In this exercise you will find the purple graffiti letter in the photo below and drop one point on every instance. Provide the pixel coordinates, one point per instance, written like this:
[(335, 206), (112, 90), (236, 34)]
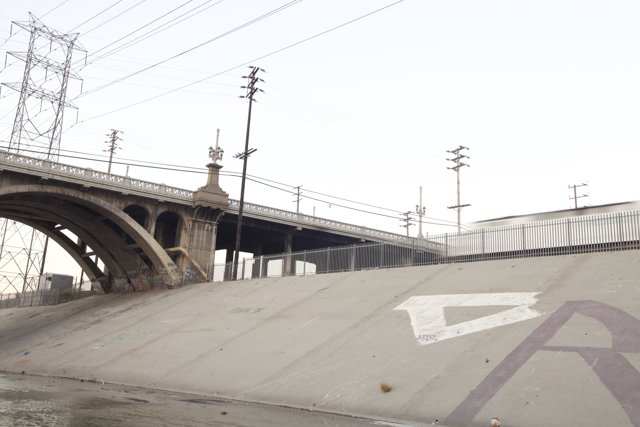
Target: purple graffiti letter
[(613, 369)]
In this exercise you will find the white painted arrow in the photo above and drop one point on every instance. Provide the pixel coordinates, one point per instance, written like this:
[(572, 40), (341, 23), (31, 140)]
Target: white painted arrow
[(429, 323)]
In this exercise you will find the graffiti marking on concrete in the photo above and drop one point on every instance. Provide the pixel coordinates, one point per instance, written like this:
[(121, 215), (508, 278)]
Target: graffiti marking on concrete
[(430, 325), (613, 369)]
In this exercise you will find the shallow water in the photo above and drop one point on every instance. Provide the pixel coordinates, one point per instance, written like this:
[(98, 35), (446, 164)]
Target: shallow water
[(40, 401)]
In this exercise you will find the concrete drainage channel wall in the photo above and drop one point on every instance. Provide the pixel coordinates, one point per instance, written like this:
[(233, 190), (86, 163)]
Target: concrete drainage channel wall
[(551, 341)]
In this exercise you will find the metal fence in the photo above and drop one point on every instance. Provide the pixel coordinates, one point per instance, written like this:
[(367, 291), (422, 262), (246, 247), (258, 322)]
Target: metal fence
[(36, 298), (593, 233)]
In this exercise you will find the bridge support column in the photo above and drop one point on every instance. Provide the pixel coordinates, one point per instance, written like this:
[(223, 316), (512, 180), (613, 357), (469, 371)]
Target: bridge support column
[(209, 204), (256, 268), (352, 258), (151, 225), (228, 259), (287, 262), (202, 238)]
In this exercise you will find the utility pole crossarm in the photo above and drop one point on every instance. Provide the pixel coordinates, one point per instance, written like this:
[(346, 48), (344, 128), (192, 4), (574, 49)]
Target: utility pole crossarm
[(406, 220), (575, 194)]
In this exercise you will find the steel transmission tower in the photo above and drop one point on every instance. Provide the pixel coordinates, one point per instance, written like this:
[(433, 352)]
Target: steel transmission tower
[(113, 145), (45, 80), (37, 131), (458, 164)]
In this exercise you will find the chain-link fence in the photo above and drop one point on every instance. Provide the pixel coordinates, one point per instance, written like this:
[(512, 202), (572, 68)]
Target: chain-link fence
[(43, 297)]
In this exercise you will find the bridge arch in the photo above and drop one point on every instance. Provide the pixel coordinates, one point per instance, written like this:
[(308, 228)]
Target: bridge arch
[(168, 229), (130, 254), (139, 214)]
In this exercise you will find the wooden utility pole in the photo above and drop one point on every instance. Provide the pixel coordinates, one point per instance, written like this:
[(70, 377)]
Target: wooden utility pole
[(297, 200), (406, 220), (420, 210), (251, 88), (575, 194)]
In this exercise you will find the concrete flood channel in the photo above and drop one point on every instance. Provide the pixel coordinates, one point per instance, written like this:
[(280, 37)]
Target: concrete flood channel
[(27, 400), (551, 341)]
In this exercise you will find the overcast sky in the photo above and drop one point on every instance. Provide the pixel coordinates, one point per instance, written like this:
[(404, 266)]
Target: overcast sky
[(545, 94)]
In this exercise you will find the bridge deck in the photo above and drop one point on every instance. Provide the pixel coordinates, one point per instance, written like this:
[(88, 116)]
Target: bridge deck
[(88, 177)]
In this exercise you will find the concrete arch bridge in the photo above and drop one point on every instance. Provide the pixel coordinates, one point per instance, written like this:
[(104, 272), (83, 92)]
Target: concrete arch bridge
[(131, 234)]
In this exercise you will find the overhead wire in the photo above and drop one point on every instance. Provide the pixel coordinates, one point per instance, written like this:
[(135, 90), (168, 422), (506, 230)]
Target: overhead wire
[(154, 31), (199, 92), (168, 67), (96, 15), (302, 41), (79, 155), (114, 17), (245, 63), (145, 25), (340, 118), (42, 16), (198, 46), (53, 9), (86, 21)]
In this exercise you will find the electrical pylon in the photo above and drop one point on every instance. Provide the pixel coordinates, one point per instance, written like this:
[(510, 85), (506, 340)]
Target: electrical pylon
[(456, 168), (43, 89), (45, 79)]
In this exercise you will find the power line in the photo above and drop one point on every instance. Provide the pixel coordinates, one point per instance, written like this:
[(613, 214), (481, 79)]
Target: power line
[(361, 128), (56, 7), (168, 67), (258, 180), (245, 63), (175, 21), (95, 16), (114, 17), (42, 16), (191, 49)]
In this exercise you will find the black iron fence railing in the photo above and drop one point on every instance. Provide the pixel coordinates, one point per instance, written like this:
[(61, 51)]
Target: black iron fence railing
[(594, 233)]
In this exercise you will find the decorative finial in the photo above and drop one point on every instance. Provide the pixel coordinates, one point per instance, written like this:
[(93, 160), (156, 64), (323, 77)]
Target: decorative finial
[(215, 154)]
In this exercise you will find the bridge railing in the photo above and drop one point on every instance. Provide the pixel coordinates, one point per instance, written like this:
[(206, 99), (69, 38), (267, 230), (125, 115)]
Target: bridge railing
[(594, 233), (125, 184), (88, 176), (304, 219)]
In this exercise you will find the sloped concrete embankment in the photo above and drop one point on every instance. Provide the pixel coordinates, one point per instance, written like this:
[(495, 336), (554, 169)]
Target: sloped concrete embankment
[(546, 341)]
